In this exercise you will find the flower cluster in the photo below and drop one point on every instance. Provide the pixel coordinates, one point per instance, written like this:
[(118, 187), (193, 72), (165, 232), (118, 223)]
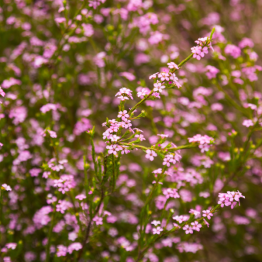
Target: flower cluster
[(124, 94), (65, 183), (204, 141), (201, 49), (165, 77), (229, 198), (172, 158)]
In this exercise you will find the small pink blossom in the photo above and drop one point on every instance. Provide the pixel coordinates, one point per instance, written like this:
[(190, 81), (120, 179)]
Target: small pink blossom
[(80, 197), (196, 226), (123, 115), (207, 214), (2, 93), (140, 137), (172, 65), (98, 220), (194, 212), (155, 222), (188, 229), (181, 219), (74, 246), (6, 187), (124, 94), (248, 123), (150, 154), (158, 87), (157, 231)]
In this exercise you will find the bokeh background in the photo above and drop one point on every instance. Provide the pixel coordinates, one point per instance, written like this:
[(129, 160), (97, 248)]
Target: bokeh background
[(64, 78)]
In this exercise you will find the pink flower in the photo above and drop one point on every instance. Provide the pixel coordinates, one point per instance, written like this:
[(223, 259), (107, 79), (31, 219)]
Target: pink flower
[(233, 50), (62, 206), (99, 59), (88, 30), (162, 136), (81, 126), (206, 222), (155, 222), (181, 219), (10, 82), (246, 42), (170, 192), (19, 114), (41, 217), (150, 154), (204, 194), (134, 5), (34, 172), (229, 198), (52, 133), (113, 149), (195, 212), (188, 229), (201, 49), (154, 76), (2, 93), (157, 37), (6, 187), (172, 158), (140, 137), (65, 183), (207, 214), (11, 245), (123, 115), (128, 75), (98, 220), (172, 65), (158, 87), (204, 141), (157, 230), (74, 246), (124, 94), (216, 107), (62, 250), (48, 107), (200, 139), (157, 171), (60, 20), (114, 138), (248, 123), (196, 226), (211, 71), (252, 106), (142, 92), (80, 197)]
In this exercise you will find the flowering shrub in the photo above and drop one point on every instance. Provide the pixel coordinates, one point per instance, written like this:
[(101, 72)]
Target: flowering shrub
[(118, 143)]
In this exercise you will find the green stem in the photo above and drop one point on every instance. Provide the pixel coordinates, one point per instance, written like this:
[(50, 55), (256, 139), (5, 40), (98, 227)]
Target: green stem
[(192, 145), (185, 60)]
